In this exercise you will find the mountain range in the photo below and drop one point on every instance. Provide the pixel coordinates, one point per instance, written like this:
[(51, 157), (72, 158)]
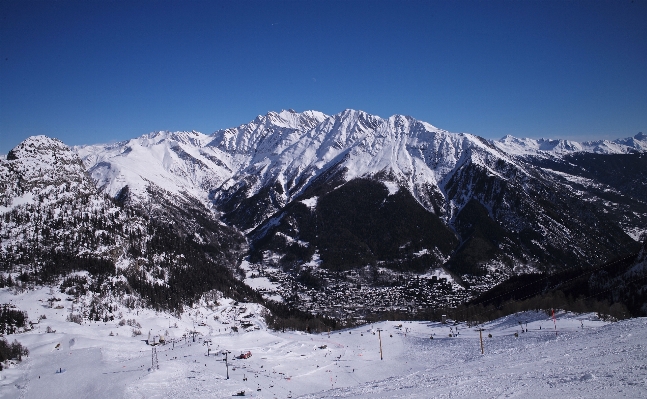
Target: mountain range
[(308, 191)]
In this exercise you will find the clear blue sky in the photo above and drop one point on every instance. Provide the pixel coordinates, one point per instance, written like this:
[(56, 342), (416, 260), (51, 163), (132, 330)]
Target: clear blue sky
[(97, 71)]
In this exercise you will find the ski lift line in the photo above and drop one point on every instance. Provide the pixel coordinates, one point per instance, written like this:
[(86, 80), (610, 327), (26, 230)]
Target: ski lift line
[(607, 290), (598, 293), (590, 296), (578, 276)]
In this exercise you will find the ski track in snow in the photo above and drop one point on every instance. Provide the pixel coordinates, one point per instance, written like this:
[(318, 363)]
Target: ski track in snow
[(602, 360)]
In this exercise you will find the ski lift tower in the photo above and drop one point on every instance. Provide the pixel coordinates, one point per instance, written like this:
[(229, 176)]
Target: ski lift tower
[(155, 364), (226, 359), (208, 343), (481, 338)]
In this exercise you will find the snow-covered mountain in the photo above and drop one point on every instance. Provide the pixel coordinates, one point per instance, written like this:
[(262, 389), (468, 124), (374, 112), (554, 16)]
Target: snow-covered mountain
[(43, 164), (49, 203), (251, 174), (355, 190), (444, 172), (179, 162), (352, 144), (54, 221), (292, 149)]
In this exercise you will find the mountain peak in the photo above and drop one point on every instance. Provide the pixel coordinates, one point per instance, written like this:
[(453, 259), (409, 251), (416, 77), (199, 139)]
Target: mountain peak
[(40, 162), (273, 128), (355, 114), (37, 147)]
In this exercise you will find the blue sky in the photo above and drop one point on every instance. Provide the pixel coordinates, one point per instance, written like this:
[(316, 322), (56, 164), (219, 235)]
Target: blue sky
[(97, 71)]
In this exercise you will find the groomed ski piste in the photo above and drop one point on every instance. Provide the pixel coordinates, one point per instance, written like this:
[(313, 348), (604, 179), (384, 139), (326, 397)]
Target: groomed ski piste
[(572, 356)]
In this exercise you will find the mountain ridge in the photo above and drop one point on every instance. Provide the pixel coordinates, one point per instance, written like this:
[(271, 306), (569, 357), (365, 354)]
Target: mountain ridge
[(252, 146)]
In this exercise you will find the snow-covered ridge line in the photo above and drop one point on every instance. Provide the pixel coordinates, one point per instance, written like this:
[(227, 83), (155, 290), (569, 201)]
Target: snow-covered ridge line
[(525, 146), (288, 146)]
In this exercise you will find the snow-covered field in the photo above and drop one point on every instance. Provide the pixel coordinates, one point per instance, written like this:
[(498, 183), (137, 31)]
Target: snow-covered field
[(586, 358)]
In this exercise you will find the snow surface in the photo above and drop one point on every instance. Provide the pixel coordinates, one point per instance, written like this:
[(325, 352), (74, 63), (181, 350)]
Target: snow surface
[(600, 360), (636, 233), (254, 279), (311, 202), (392, 187)]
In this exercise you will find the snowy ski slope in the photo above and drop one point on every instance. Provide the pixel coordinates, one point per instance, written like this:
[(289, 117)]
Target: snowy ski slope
[(585, 358)]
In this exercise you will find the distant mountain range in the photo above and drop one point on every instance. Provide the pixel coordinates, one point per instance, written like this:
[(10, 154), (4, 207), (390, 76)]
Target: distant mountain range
[(341, 192)]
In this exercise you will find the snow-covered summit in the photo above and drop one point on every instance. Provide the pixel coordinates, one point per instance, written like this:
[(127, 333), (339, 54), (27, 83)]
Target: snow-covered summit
[(187, 138), (41, 148), (36, 164), (268, 132)]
